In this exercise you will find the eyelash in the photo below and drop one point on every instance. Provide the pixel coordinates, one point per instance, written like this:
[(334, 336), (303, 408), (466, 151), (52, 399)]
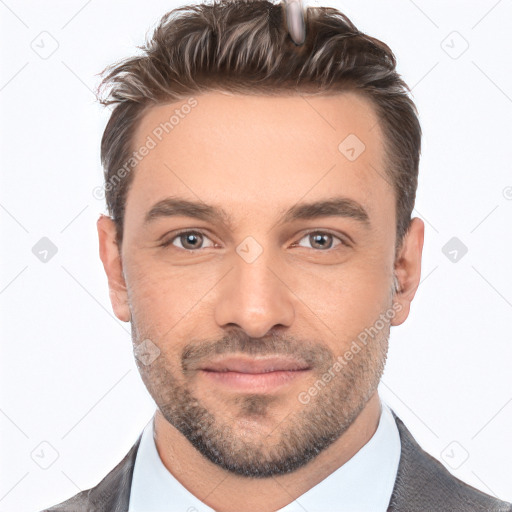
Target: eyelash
[(198, 231)]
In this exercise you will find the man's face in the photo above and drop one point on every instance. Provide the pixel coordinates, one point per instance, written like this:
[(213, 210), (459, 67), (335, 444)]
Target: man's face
[(250, 310)]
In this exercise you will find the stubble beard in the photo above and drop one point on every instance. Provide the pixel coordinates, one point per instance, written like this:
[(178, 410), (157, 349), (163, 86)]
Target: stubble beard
[(235, 442)]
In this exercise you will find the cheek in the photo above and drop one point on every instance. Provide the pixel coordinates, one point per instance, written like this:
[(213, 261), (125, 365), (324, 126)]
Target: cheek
[(345, 299), (165, 297)]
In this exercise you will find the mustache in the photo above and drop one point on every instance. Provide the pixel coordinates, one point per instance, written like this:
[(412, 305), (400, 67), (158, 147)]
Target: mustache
[(238, 342)]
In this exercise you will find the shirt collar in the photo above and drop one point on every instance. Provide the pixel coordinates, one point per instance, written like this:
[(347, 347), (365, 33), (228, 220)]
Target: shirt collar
[(363, 484)]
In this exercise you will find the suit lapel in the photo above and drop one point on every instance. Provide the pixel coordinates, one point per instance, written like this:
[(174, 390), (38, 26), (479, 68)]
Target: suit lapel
[(112, 494), (423, 483)]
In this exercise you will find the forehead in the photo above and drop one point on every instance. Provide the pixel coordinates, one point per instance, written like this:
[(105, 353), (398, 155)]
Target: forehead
[(256, 152)]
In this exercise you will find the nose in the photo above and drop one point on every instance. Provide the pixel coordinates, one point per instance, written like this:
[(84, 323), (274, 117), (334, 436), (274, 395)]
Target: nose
[(255, 297)]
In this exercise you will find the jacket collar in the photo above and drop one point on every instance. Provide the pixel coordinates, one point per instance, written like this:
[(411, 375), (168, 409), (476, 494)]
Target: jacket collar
[(422, 483)]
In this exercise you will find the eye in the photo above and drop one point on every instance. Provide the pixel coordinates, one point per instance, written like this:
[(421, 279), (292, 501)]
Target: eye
[(189, 240), (323, 240)]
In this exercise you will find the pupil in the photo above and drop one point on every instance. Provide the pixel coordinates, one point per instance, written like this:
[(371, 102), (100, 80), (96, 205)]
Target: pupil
[(318, 239), (190, 239)]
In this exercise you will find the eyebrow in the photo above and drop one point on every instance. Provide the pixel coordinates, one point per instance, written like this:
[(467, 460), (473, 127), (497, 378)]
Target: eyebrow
[(332, 207)]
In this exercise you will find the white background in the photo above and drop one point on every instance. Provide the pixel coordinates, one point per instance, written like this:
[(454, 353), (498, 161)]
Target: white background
[(67, 372)]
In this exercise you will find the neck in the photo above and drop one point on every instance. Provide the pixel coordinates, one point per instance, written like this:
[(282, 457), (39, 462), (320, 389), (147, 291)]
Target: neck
[(227, 492)]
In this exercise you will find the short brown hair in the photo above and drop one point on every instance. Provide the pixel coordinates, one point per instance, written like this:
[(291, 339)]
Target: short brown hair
[(243, 46)]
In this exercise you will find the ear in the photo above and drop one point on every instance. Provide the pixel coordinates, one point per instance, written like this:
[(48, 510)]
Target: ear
[(408, 269), (111, 259)]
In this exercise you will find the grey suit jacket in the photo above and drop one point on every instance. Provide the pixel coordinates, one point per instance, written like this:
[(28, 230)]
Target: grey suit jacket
[(422, 485)]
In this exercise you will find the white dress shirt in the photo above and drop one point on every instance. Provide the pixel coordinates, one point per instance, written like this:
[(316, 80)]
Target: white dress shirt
[(363, 484)]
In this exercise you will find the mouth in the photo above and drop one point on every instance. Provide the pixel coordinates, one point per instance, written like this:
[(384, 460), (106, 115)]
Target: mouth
[(260, 375)]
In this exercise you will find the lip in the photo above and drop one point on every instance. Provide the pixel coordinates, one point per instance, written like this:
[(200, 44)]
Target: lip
[(255, 365), (261, 375)]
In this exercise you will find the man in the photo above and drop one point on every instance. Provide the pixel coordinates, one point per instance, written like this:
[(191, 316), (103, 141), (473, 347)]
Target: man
[(261, 172)]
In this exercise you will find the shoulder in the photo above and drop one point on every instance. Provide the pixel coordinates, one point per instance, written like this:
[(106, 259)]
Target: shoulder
[(423, 483), (112, 494)]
